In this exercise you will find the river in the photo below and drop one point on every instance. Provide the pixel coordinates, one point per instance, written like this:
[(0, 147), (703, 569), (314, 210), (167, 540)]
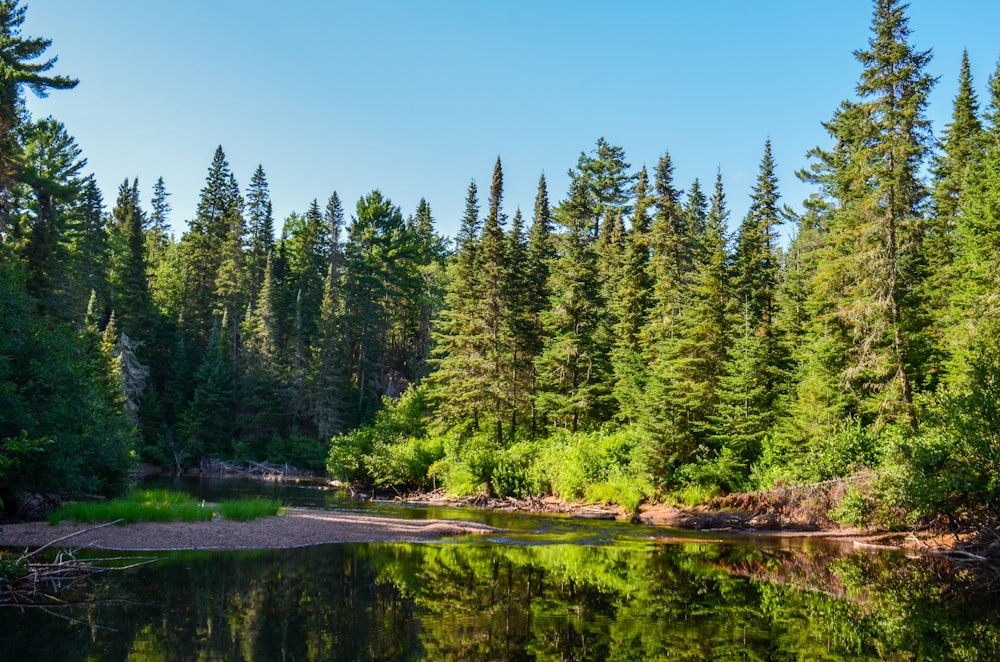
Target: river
[(548, 588)]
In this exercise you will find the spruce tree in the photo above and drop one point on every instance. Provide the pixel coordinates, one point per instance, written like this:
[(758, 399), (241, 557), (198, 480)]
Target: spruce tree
[(260, 230), (631, 305), (869, 271), (132, 302), (216, 218), (572, 372), (457, 380)]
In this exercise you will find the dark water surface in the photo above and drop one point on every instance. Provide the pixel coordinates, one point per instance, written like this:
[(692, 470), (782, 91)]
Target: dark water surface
[(550, 589)]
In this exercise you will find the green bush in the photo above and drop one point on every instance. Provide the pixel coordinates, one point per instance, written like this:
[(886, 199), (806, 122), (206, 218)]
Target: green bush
[(405, 463), (621, 488), (517, 473), (352, 455), (952, 466), (468, 464)]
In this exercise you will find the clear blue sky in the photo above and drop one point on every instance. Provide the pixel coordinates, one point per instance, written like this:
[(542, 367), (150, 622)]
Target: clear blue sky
[(418, 98)]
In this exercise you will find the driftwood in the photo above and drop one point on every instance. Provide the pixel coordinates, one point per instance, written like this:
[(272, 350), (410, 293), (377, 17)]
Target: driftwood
[(250, 469), (27, 583)]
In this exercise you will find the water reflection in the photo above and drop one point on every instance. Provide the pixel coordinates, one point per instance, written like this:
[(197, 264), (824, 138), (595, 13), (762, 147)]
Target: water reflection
[(630, 600)]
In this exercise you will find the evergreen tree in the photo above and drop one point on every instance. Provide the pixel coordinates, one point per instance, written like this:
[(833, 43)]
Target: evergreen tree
[(207, 425), (572, 372), (333, 228), (50, 168), (132, 302), (958, 145), (260, 230), (700, 353), (457, 381), (669, 259), (158, 232), (381, 286), (607, 181), (631, 306), (214, 223), (23, 66), (329, 378), (519, 325), (89, 249), (869, 271), (757, 259)]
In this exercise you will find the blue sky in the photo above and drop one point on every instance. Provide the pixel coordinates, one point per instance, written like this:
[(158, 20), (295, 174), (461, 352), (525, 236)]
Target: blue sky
[(418, 98)]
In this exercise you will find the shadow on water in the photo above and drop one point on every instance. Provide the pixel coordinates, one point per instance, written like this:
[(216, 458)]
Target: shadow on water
[(608, 595)]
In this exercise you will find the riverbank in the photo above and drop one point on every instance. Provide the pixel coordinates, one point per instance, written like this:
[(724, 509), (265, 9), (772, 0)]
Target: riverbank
[(298, 527), (794, 512)]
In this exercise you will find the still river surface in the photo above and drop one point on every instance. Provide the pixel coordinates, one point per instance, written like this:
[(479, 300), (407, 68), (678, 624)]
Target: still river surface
[(548, 588)]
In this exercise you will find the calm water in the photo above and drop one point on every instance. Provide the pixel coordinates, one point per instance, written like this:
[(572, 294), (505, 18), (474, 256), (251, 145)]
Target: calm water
[(550, 589)]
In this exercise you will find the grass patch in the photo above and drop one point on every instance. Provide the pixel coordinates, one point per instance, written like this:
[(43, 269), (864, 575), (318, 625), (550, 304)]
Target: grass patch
[(162, 506), (245, 510)]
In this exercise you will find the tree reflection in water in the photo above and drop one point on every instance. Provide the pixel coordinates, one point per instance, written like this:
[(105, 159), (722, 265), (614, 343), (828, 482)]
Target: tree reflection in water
[(481, 601)]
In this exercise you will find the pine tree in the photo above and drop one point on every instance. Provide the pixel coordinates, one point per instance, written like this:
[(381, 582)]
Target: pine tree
[(333, 229), (329, 379), (22, 65), (607, 181), (541, 253), (207, 424), (89, 249), (757, 259), (669, 258), (958, 144), (158, 232), (519, 325), (381, 285), (700, 353), (50, 168)]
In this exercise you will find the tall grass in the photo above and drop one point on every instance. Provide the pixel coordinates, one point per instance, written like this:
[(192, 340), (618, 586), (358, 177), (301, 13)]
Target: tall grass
[(162, 506), (245, 510)]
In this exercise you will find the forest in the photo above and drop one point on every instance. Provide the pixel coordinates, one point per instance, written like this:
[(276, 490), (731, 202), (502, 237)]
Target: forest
[(627, 342)]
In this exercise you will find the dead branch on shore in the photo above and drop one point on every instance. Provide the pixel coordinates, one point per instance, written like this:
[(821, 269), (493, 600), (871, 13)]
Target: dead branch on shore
[(26, 583), (250, 469)]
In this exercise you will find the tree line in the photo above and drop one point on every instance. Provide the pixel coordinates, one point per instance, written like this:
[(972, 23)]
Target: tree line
[(622, 341)]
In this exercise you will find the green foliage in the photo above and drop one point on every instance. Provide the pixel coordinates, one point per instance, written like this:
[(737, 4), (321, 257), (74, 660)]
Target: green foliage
[(468, 464), (162, 506), (952, 466), (56, 384), (300, 451), (390, 451), (848, 449)]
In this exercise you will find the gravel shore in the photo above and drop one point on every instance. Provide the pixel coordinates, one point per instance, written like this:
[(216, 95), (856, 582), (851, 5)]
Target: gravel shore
[(297, 527)]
